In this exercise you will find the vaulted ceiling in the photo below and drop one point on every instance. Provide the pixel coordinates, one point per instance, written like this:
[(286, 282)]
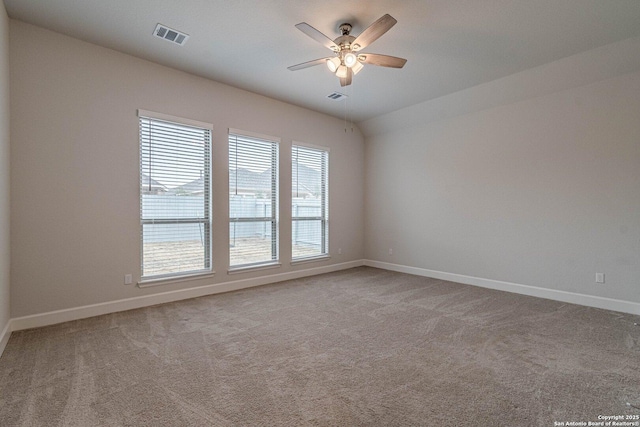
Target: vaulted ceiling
[(450, 45)]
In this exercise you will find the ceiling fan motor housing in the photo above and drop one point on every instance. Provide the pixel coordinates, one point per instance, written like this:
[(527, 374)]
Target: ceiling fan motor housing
[(344, 42)]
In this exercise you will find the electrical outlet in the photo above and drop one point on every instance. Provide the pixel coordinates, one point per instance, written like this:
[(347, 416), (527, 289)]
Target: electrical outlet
[(599, 277), (128, 279), (339, 251), (390, 251)]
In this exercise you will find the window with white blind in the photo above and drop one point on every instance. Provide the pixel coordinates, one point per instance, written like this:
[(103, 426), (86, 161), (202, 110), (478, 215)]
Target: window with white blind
[(253, 199), (175, 201), (310, 202)]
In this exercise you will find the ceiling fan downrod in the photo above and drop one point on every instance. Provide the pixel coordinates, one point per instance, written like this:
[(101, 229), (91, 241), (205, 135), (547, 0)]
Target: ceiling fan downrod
[(345, 29)]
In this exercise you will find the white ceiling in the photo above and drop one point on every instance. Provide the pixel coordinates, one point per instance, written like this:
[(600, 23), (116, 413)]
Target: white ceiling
[(450, 45)]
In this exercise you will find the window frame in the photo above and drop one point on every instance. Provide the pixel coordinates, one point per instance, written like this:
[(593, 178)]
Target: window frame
[(274, 219), (324, 202), (207, 218)]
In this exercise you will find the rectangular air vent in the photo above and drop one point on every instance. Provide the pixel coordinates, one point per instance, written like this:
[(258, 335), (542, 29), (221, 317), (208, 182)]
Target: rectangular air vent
[(336, 96), (170, 34)]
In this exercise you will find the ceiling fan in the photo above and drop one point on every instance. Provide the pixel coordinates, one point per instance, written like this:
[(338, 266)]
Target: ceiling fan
[(347, 60)]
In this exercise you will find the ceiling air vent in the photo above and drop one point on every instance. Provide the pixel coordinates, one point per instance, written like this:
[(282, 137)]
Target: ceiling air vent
[(171, 35), (336, 96)]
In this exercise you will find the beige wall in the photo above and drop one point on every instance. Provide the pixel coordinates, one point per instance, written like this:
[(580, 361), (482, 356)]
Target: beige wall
[(4, 169), (542, 192), (74, 164)]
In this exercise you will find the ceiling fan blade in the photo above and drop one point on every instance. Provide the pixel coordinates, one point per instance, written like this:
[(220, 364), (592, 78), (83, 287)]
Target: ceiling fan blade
[(317, 35), (307, 64), (382, 60), (373, 32), (346, 81)]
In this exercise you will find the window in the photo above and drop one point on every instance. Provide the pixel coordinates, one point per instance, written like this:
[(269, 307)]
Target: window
[(253, 199), (310, 197), (175, 201)]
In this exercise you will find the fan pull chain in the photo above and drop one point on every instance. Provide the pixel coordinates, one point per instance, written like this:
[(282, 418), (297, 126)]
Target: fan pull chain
[(348, 108), (345, 114), (352, 90)]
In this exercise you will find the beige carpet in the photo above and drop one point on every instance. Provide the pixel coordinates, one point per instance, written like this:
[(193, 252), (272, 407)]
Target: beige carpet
[(362, 347)]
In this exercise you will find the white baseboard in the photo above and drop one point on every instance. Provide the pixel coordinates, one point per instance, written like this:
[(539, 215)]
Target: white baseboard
[(59, 316), (553, 294), (4, 336)]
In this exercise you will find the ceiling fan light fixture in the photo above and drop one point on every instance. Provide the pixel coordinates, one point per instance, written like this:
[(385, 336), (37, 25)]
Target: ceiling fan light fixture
[(350, 59), (341, 72), (357, 67), (333, 64)]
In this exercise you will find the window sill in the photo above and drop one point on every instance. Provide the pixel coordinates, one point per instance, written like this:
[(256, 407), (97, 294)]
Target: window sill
[(248, 268), (310, 259), (148, 283)]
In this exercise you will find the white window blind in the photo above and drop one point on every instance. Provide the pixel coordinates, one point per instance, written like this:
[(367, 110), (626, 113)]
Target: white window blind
[(253, 200), (175, 201), (310, 202)]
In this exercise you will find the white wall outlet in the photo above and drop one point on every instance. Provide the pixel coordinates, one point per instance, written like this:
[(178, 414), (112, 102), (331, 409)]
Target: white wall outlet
[(339, 251), (599, 277), (128, 279), (390, 251)]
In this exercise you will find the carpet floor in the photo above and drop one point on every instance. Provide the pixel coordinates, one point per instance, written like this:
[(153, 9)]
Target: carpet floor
[(361, 347)]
